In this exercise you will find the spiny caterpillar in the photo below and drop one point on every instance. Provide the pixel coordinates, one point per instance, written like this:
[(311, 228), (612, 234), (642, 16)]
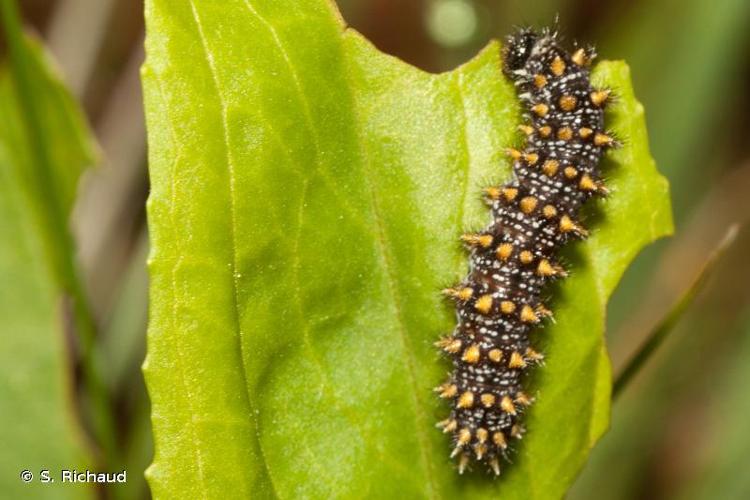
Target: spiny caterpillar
[(533, 216)]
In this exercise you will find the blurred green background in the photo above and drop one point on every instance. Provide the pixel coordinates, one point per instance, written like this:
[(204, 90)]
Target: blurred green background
[(681, 429)]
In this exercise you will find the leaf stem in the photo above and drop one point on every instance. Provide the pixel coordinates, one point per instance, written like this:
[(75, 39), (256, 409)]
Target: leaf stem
[(657, 336)]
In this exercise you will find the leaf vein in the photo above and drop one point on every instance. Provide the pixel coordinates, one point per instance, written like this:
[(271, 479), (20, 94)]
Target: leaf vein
[(382, 240), (233, 237), (173, 283), (464, 142), (309, 122)]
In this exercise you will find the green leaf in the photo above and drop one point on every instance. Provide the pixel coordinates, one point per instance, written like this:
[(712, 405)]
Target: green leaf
[(307, 195), (40, 162)]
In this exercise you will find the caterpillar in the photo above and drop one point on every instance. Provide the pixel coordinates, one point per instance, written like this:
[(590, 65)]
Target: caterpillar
[(498, 304)]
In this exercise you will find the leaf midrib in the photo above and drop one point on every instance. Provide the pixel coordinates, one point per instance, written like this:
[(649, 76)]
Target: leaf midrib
[(381, 239), (383, 244), (233, 237)]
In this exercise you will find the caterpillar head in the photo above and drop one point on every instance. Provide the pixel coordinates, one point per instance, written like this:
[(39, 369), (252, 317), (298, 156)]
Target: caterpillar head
[(517, 50)]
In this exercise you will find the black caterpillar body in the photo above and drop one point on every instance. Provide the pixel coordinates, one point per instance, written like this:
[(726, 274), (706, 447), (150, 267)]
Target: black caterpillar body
[(533, 216)]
